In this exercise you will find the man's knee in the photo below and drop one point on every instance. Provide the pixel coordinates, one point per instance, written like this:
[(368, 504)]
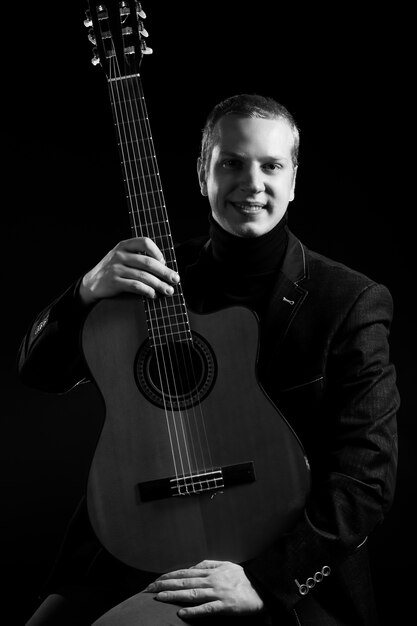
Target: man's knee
[(141, 610)]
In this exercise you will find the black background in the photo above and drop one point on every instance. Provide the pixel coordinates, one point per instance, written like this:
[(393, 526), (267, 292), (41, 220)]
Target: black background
[(343, 72)]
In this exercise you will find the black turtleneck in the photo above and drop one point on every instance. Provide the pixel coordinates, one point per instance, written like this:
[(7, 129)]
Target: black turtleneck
[(244, 268)]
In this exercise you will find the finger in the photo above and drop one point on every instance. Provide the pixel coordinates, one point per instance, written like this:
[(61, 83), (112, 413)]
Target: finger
[(143, 245), (178, 584), (135, 286), (148, 264), (202, 610), (142, 277), (187, 596)]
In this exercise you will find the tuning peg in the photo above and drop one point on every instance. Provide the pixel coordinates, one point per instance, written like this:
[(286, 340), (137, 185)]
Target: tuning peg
[(145, 49), (92, 37), (139, 11), (88, 22), (142, 30), (95, 60)]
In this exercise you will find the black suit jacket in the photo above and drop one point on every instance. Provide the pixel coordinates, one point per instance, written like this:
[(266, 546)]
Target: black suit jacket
[(324, 361)]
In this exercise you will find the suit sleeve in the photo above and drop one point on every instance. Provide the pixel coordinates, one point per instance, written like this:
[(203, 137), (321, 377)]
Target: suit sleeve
[(49, 357), (354, 482)]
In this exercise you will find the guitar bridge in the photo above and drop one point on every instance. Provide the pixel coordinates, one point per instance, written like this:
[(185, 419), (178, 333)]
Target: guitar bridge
[(197, 483)]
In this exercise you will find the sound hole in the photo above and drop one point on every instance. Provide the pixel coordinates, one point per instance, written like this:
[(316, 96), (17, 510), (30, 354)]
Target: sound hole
[(176, 375)]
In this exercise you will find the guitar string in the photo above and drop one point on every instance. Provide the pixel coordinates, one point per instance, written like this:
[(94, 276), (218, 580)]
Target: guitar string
[(187, 345), (155, 333), (128, 82), (134, 140), (139, 98), (113, 83), (146, 140), (166, 304)]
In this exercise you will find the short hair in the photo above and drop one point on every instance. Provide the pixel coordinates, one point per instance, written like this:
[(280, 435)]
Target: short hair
[(247, 105)]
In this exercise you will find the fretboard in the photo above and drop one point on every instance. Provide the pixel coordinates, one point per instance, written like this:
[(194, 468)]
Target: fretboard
[(167, 317)]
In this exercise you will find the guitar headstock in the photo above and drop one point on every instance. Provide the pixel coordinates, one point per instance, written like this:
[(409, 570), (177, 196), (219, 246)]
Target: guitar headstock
[(115, 28)]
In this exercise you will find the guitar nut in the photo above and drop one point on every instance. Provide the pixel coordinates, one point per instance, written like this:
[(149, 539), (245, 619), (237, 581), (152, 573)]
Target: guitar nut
[(304, 588)]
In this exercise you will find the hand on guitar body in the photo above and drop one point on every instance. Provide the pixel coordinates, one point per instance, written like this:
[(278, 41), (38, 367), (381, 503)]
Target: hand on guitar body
[(134, 265), (208, 588)]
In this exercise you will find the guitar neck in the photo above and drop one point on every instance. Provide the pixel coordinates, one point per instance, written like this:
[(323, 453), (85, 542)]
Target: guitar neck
[(167, 318), (144, 194)]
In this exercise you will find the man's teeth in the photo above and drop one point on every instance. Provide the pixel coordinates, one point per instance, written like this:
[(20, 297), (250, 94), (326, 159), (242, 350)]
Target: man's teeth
[(245, 205)]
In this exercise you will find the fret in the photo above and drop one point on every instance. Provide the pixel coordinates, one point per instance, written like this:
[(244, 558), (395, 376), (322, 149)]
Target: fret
[(127, 119), (173, 308), (128, 91), (163, 340), (169, 330), (146, 177), (176, 335), (135, 150), (179, 316), (129, 131), (164, 240), (143, 203), (151, 222), (158, 211), (159, 223), (151, 214), (140, 230), (142, 173), (146, 230), (131, 151), (171, 303), (167, 318), (123, 100), (143, 186), (133, 121), (146, 187), (134, 177), (169, 256), (146, 192), (134, 155)]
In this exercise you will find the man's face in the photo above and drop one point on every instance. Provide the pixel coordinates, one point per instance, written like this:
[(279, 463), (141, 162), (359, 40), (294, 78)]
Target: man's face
[(250, 178)]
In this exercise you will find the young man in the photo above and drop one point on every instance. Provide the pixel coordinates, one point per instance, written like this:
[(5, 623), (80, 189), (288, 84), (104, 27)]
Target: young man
[(323, 360)]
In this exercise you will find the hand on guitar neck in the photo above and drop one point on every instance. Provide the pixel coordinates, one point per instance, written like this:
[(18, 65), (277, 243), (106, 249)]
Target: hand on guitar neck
[(134, 265)]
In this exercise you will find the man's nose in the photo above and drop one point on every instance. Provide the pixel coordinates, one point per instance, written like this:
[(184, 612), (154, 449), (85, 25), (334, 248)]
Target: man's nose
[(252, 179)]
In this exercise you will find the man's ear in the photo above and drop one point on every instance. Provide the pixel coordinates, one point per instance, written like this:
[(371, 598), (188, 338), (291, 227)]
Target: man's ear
[(201, 171), (294, 176)]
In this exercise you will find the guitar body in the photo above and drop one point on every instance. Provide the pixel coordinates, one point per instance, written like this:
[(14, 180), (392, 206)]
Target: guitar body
[(219, 418)]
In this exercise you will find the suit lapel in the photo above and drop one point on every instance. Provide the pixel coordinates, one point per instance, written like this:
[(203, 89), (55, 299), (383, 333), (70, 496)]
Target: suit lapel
[(287, 295)]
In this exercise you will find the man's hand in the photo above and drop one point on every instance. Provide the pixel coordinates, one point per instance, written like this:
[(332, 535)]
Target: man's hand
[(210, 587), (135, 265)]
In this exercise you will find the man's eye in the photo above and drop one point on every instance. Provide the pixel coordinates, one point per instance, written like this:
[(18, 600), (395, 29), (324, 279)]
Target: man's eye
[(272, 166), (231, 163)]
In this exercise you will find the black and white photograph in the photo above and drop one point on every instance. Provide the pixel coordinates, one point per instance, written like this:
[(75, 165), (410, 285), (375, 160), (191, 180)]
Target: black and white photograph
[(208, 314)]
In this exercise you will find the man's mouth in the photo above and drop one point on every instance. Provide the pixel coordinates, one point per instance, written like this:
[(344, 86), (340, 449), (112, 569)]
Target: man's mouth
[(248, 207)]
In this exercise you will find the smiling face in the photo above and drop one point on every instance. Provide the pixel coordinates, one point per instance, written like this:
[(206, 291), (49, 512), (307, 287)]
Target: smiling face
[(250, 177)]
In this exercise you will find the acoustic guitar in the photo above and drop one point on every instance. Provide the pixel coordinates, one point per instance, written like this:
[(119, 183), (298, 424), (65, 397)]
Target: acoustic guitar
[(193, 461)]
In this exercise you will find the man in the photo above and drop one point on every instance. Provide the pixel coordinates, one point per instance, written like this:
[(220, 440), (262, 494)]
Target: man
[(324, 361)]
